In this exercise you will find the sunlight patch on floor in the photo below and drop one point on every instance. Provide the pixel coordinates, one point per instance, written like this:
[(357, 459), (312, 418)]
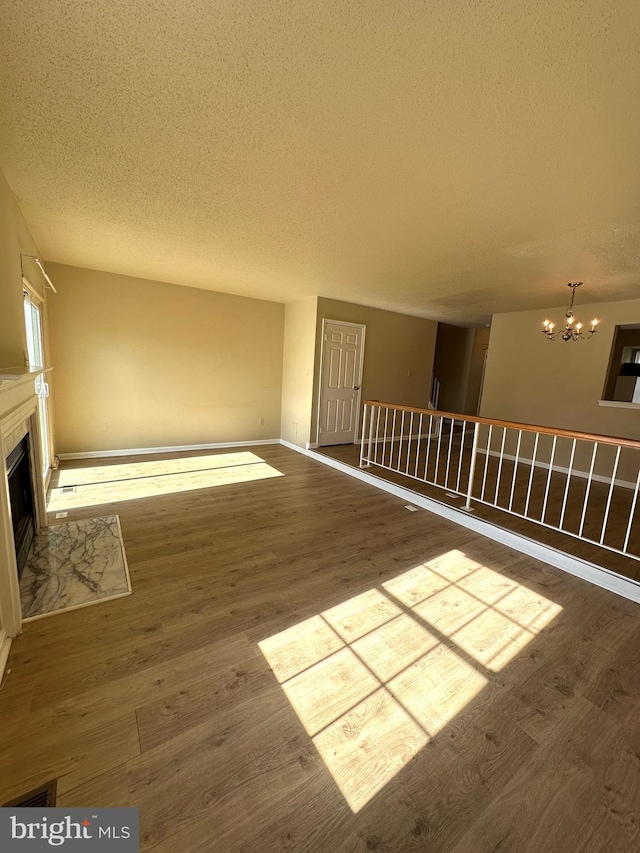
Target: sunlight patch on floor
[(485, 614), (360, 615), (373, 679), (94, 486), (364, 749), (87, 474)]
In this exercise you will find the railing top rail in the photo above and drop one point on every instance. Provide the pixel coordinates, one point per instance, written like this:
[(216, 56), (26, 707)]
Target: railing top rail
[(564, 433)]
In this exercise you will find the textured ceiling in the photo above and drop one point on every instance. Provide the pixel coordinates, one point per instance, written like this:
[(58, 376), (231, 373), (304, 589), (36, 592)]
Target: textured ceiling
[(446, 158)]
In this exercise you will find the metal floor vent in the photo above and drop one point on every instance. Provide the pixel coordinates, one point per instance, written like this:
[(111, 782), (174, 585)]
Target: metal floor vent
[(40, 798)]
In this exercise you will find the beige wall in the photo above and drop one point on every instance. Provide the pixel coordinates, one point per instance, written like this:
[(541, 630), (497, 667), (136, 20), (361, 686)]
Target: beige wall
[(297, 370), (532, 380), (146, 364), (398, 359), (14, 239)]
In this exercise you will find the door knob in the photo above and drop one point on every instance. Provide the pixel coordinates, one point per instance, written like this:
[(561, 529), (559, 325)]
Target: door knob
[(356, 387)]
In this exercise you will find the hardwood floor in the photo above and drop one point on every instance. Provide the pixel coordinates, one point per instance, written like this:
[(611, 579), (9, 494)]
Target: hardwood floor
[(305, 665), (617, 520)]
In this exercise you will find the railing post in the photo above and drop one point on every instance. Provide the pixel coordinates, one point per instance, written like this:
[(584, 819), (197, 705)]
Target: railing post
[(362, 439), (365, 459), (472, 466)]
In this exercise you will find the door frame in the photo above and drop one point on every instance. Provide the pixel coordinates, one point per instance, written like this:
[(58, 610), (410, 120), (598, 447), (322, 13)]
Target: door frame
[(363, 329), (39, 302)]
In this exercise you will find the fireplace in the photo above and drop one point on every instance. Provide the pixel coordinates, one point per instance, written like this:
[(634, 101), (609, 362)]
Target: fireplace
[(21, 499), (23, 509)]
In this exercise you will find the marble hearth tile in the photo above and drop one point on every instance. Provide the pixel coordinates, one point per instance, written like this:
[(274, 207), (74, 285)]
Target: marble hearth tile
[(74, 564)]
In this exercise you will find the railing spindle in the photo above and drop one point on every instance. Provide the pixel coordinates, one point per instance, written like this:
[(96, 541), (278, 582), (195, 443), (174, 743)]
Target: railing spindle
[(364, 421), (499, 472), (609, 496), (515, 470), (393, 438), (446, 475), (472, 466), (486, 461), (399, 457), (415, 472), (588, 488), (384, 440), (427, 457), (409, 442), (568, 484), (375, 448), (439, 428), (632, 513), (531, 473), (549, 475), (461, 454)]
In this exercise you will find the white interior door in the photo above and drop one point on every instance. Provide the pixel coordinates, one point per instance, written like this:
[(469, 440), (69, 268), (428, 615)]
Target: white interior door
[(340, 380)]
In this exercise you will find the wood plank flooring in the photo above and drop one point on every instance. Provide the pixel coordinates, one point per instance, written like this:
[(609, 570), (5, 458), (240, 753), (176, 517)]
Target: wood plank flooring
[(421, 688), (618, 518)]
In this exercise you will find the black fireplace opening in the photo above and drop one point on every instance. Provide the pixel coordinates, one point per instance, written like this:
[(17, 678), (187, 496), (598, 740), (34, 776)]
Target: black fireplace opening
[(22, 503)]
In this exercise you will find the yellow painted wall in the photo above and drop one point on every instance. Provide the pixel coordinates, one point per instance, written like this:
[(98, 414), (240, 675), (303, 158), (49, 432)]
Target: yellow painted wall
[(14, 239), (147, 364), (297, 370), (396, 345), (556, 383)]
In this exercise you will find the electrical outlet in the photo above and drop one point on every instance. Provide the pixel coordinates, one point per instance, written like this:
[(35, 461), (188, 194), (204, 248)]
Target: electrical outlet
[(260, 421)]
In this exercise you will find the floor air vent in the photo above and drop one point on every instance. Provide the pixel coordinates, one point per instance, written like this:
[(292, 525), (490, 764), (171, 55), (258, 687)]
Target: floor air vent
[(40, 798)]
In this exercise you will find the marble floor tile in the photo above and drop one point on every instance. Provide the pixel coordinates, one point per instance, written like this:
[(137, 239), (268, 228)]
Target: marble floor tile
[(74, 564)]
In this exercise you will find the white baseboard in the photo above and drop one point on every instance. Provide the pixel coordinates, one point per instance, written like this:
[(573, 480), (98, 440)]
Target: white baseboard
[(176, 448), (599, 478), (596, 575), (293, 446), (5, 646)]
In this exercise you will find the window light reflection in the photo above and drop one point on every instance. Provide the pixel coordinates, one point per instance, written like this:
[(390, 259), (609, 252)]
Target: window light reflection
[(374, 678)]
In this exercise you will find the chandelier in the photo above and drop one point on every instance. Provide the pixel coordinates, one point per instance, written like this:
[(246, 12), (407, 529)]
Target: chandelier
[(572, 329)]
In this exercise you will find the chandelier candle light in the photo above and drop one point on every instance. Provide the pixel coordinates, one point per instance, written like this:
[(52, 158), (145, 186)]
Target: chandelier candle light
[(572, 330)]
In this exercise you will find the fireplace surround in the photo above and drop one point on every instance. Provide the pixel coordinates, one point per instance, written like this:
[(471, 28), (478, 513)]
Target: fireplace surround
[(18, 420), (21, 501)]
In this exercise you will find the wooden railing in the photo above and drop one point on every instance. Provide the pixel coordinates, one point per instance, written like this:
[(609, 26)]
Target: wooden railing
[(578, 483)]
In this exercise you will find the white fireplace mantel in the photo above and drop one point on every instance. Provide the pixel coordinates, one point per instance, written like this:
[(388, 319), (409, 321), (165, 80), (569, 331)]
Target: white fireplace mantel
[(18, 416)]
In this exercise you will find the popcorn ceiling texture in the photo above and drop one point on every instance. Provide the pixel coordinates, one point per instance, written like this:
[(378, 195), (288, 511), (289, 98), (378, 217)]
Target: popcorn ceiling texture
[(446, 159)]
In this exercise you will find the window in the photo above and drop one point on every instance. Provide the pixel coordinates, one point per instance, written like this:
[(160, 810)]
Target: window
[(35, 351)]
